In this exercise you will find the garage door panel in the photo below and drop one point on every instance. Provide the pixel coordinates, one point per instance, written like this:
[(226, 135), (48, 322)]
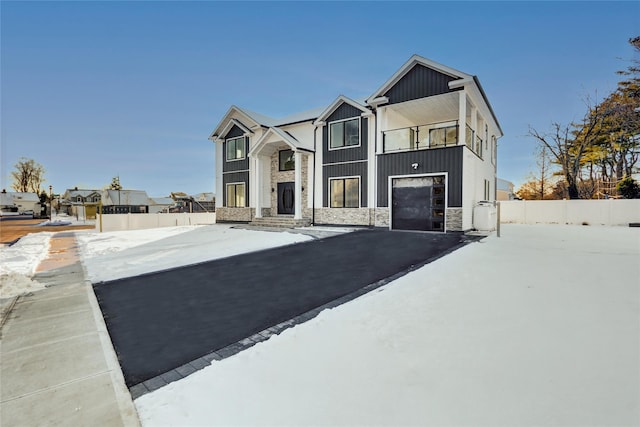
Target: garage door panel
[(417, 203), (411, 208)]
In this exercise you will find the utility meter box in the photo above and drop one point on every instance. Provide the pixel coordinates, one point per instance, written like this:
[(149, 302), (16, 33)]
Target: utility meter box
[(484, 216)]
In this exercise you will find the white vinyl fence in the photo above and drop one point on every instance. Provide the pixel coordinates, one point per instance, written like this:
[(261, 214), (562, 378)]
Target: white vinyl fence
[(119, 222), (574, 212)]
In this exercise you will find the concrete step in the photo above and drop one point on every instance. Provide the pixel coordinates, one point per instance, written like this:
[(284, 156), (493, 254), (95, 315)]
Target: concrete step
[(280, 222)]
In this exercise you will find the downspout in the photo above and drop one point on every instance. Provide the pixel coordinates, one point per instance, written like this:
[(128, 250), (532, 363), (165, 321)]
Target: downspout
[(375, 166), (313, 200)]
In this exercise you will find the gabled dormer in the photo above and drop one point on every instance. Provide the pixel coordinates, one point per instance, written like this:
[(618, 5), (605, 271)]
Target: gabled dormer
[(345, 133)]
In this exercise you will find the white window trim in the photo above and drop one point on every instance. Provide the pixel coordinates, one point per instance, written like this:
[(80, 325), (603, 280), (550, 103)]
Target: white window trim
[(226, 193), (346, 146), (226, 150), (419, 175), (333, 178)]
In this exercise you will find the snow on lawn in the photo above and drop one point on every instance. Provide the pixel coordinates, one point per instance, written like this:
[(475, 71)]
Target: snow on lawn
[(538, 327), (118, 254), (18, 263)]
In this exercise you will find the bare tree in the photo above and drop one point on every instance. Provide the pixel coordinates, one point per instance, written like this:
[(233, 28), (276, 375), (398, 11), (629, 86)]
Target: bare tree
[(541, 183), (568, 145), (28, 176)]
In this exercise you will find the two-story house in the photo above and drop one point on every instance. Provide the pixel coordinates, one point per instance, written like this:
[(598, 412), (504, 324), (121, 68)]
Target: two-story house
[(418, 154)]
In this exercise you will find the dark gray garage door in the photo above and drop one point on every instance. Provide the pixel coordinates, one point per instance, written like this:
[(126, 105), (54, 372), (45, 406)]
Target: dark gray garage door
[(417, 203)]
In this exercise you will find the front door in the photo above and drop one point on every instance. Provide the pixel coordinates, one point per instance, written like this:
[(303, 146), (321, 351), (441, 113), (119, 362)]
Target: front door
[(418, 203), (286, 191)]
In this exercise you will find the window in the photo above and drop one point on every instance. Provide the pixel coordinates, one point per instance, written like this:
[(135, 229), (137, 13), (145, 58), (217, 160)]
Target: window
[(494, 149), (487, 190), (441, 137), (287, 160), (344, 133), (78, 199), (345, 192), (235, 195), (235, 148)]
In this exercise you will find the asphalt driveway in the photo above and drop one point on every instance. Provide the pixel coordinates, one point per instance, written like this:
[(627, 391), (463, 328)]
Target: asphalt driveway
[(162, 320)]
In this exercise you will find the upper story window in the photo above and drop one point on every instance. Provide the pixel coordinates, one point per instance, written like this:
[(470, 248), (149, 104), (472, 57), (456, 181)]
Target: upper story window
[(78, 199), (345, 133), (286, 161), (236, 148)]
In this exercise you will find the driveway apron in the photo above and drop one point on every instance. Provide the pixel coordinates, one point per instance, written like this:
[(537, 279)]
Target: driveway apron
[(162, 320)]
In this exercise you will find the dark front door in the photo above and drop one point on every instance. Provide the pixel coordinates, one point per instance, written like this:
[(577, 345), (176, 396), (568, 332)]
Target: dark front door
[(418, 203), (286, 191)]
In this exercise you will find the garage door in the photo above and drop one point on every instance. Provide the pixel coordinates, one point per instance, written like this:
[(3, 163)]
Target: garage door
[(418, 203)]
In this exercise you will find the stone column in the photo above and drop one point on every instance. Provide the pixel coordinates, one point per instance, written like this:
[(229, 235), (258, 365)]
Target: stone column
[(298, 186)]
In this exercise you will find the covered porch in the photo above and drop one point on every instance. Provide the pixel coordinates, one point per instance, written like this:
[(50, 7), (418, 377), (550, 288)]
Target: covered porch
[(280, 163)]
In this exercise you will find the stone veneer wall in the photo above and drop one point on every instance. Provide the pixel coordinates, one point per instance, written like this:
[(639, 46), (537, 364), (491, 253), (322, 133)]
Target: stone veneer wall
[(234, 214), (287, 176), (382, 217), (345, 216), (454, 219)]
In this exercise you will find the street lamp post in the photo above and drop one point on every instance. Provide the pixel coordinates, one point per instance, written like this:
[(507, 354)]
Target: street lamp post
[(50, 202)]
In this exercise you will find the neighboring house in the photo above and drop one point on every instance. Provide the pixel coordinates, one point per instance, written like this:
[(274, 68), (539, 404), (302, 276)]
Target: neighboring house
[(204, 202), (505, 190), (125, 201), (418, 154), (201, 202), (160, 204), (80, 202), (14, 203)]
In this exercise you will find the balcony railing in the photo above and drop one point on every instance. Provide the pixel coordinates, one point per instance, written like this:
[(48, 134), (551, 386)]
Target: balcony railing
[(473, 141), (434, 135)]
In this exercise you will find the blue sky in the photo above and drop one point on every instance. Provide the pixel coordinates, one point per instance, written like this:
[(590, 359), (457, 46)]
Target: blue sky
[(92, 90)]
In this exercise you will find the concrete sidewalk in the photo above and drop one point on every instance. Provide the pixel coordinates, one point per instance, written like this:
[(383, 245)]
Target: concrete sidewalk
[(58, 363)]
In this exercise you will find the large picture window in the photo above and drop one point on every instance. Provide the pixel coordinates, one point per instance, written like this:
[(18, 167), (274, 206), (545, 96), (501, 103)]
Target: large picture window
[(345, 133), (287, 160), (236, 148), (345, 192), (235, 195)]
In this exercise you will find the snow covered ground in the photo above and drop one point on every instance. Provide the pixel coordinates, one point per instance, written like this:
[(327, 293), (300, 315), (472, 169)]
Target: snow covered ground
[(118, 254), (539, 327), (18, 263)]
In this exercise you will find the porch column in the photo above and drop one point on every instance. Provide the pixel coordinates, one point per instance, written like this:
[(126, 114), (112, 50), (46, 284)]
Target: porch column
[(258, 186), (474, 124), (298, 187), (462, 118)]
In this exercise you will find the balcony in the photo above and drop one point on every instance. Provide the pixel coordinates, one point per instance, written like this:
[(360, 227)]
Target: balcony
[(473, 141), (434, 135)]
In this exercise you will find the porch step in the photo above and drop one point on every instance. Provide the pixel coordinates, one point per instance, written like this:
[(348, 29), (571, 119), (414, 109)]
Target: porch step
[(280, 222)]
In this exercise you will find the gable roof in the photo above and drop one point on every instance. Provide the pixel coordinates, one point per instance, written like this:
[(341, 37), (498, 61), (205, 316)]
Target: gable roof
[(251, 120), (285, 136), (408, 66), (337, 103), (125, 198)]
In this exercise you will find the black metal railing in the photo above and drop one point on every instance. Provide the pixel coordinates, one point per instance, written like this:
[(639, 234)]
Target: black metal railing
[(422, 137)]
